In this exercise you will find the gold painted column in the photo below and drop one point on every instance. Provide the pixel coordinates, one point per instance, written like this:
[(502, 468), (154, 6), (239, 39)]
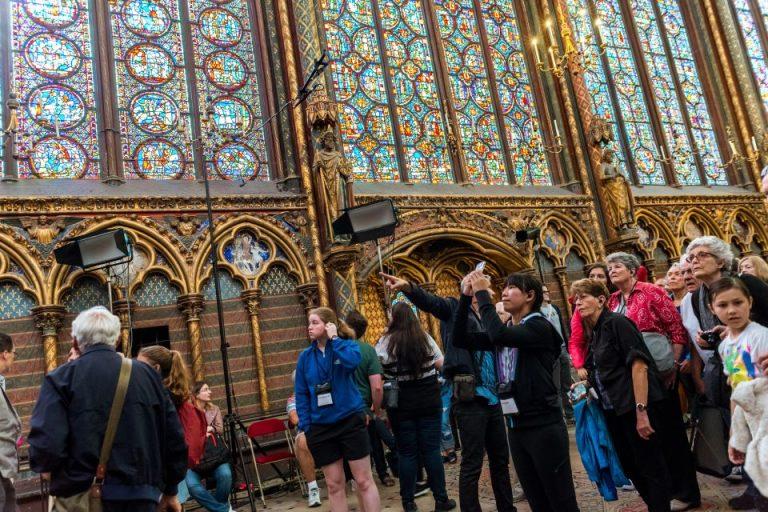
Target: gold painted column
[(562, 279), (252, 300), (309, 295), (302, 144), (48, 319), (191, 305), (121, 309), (434, 323)]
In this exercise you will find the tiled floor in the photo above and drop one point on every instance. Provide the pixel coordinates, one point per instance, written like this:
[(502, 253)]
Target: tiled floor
[(715, 494)]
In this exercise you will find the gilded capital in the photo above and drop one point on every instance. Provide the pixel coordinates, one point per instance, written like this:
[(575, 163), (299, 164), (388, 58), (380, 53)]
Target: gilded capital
[(49, 318), (321, 110), (191, 305), (341, 257), (252, 300), (310, 297)]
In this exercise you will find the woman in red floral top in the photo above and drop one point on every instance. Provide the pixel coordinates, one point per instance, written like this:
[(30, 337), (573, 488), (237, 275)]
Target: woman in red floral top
[(649, 307)]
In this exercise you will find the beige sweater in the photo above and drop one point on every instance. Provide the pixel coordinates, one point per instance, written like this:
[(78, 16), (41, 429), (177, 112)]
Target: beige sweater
[(749, 429)]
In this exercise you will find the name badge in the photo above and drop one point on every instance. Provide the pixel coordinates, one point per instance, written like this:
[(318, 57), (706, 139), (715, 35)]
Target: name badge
[(324, 399), (509, 406)]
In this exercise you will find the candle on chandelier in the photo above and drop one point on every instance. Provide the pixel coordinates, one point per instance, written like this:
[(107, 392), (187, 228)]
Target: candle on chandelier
[(732, 146), (754, 144), (548, 24), (557, 132), (552, 56), (535, 44)]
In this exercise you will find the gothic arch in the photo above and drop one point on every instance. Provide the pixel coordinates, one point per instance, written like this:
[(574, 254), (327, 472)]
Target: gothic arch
[(16, 250), (275, 237), (700, 218), (575, 239), (147, 235), (757, 231), (663, 234)]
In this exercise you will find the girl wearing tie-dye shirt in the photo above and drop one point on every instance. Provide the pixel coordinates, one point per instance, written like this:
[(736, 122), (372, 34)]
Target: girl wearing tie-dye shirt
[(747, 341)]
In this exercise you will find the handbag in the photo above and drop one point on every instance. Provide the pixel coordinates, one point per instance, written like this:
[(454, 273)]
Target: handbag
[(215, 454), (90, 500), (391, 394), (660, 349), (464, 387), (709, 439)]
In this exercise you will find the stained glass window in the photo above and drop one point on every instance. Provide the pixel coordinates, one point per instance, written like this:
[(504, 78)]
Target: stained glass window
[(751, 33), (408, 105), (151, 89), (704, 141), (515, 93), (365, 117), (53, 79), (629, 91), (227, 79)]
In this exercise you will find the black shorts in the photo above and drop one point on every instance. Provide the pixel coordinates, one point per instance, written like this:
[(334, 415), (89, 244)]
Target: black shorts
[(346, 439)]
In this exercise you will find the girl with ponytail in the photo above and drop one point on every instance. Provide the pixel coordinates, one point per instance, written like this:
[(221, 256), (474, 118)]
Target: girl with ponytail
[(172, 368)]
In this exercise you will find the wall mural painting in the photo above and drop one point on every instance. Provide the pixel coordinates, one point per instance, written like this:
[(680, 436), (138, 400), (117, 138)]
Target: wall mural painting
[(247, 253)]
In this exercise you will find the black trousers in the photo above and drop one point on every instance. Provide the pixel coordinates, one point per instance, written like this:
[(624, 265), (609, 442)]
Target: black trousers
[(543, 466), (676, 448), (643, 461), (380, 435), (482, 429), (130, 506)]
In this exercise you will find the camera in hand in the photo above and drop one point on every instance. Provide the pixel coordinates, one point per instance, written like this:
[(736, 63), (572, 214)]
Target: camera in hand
[(710, 337)]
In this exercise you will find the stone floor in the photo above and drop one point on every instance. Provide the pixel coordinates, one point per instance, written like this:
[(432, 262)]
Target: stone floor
[(715, 494)]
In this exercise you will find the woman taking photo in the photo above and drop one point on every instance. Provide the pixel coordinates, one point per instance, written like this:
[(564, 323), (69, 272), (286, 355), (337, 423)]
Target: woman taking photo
[(170, 365), (330, 409), (412, 359), (538, 438), (661, 326), (622, 372)]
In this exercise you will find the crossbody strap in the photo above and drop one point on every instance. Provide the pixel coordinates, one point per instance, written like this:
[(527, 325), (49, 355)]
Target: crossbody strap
[(114, 417)]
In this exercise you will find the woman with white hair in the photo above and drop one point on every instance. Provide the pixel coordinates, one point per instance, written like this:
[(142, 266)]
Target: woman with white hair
[(657, 318)]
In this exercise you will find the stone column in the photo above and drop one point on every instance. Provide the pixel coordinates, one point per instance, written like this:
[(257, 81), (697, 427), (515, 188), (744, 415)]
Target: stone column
[(124, 311), (191, 305), (48, 319), (562, 279), (310, 297), (650, 266), (252, 300), (434, 323)]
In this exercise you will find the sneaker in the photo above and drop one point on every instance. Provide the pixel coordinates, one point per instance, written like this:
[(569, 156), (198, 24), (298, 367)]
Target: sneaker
[(743, 502), (314, 497), (450, 458), (410, 507), (736, 475), (387, 481), (629, 487), (448, 504), (422, 488), (679, 506)]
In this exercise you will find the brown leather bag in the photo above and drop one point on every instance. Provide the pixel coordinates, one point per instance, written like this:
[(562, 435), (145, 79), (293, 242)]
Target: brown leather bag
[(90, 500)]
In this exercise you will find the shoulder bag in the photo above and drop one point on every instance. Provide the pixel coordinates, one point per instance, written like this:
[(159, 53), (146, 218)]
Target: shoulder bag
[(90, 500)]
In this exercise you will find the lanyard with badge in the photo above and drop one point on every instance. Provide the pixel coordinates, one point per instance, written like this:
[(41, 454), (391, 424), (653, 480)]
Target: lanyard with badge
[(323, 391), (508, 404)]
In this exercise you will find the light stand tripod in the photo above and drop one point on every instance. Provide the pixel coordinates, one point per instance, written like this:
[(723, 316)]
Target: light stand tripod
[(232, 421)]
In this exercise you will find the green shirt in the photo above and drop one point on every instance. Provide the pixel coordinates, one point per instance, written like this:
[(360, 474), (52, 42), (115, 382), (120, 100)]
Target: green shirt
[(369, 365)]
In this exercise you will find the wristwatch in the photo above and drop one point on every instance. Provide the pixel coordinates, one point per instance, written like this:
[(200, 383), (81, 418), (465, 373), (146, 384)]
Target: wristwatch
[(641, 407)]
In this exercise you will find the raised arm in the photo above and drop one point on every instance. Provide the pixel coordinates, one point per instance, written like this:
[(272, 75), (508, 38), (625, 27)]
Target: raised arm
[(521, 336), (440, 307), (467, 340)]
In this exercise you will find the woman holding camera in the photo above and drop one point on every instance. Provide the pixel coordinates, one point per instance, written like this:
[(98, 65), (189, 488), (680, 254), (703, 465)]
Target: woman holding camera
[(622, 372), (330, 409), (412, 360)]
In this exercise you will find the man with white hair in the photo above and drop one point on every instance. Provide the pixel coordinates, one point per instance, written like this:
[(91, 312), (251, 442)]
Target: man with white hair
[(149, 455)]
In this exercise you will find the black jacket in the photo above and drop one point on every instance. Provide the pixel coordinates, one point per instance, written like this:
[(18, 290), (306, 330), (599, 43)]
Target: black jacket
[(149, 455), (616, 344), (538, 344), (457, 360)]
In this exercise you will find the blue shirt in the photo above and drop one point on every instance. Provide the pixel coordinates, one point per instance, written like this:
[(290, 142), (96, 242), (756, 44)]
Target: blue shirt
[(335, 366), (487, 385)]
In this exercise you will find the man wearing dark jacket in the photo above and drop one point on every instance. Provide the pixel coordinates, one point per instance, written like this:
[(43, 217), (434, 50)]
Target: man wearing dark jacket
[(68, 424), (538, 438), (480, 421)]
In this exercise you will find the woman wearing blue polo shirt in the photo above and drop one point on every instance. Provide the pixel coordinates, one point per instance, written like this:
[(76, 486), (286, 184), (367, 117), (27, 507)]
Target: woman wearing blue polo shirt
[(330, 409)]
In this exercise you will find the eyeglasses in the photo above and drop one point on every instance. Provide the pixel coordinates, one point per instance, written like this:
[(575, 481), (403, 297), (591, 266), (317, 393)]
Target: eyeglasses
[(699, 256)]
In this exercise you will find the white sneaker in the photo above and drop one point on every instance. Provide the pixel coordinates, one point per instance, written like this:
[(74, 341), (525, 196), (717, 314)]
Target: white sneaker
[(231, 509), (629, 487), (314, 497)]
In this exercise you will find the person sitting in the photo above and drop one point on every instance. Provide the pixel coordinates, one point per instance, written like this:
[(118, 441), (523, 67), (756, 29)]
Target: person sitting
[(148, 458), (622, 372), (330, 409), (170, 365)]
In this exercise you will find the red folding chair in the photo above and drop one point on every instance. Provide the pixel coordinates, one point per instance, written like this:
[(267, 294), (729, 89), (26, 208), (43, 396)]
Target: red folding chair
[(269, 427)]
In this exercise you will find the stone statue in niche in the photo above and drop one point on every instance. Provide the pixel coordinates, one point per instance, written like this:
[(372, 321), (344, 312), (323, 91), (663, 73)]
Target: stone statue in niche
[(619, 202), (335, 178)]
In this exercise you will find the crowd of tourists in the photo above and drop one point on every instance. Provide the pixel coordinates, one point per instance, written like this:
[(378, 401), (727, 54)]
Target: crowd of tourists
[(648, 374)]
